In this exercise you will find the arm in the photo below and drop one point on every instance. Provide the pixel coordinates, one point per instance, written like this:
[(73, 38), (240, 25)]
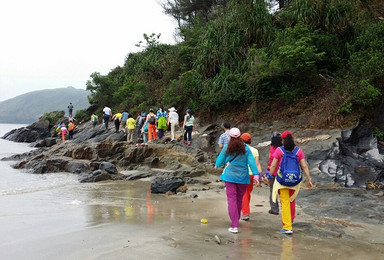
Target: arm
[(304, 167), (220, 159), (258, 164), (273, 165)]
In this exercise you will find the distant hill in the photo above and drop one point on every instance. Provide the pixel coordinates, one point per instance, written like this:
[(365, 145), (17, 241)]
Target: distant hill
[(27, 108)]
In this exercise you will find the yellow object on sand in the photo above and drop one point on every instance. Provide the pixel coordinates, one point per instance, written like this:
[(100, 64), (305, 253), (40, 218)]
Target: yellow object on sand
[(204, 221)]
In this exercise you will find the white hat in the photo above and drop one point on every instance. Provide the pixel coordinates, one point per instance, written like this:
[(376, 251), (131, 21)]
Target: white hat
[(172, 109)]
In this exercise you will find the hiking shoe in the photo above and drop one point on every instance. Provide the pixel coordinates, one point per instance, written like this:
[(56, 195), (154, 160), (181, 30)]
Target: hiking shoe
[(184, 142), (233, 230), (273, 213), (284, 231), (189, 144), (245, 217)]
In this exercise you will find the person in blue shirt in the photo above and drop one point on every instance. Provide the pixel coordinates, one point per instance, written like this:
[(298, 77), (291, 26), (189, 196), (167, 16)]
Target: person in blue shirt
[(237, 157)]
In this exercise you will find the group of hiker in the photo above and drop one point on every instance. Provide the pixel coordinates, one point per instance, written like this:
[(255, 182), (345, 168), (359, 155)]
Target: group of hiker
[(148, 126), (243, 170), (63, 130)]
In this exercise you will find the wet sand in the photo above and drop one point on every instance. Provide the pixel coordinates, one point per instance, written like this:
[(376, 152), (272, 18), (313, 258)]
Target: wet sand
[(123, 220)]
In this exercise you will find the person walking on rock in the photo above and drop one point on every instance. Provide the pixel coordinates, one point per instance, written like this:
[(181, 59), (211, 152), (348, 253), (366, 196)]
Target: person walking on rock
[(286, 158), (275, 143), (124, 118), (140, 120), (131, 123), (70, 109), (117, 120), (94, 120), (151, 119), (173, 120), (245, 209), (64, 132), (237, 156), (107, 112), (189, 120), (224, 137), (161, 117)]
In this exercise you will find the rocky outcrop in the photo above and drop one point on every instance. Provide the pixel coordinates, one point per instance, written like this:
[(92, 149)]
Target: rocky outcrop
[(355, 158)]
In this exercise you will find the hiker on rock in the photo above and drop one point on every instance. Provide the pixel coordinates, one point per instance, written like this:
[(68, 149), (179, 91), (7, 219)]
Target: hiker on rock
[(70, 109), (271, 176), (117, 120), (189, 120), (173, 120), (94, 120), (124, 118), (245, 209), (224, 137), (131, 123), (161, 117), (107, 113), (151, 119), (237, 157), (289, 159)]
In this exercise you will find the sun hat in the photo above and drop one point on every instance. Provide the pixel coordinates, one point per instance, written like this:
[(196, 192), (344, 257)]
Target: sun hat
[(172, 109), (247, 138), (234, 132), (285, 133)]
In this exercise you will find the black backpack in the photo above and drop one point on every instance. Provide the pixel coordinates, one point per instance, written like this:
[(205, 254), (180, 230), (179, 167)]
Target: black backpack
[(152, 120)]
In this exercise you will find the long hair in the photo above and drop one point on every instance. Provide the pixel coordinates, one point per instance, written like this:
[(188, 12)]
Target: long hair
[(289, 143), (276, 141), (235, 145)]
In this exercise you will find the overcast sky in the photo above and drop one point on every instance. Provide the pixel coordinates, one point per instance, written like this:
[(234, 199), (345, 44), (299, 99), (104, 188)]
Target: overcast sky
[(55, 44)]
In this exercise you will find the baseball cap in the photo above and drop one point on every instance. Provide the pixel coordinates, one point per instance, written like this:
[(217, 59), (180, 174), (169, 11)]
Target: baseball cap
[(285, 133), (234, 132), (246, 137)]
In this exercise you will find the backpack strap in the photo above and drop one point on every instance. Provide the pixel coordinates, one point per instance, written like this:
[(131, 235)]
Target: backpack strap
[(296, 150)]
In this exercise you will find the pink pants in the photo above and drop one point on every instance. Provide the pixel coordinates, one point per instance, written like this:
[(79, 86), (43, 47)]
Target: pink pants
[(235, 193)]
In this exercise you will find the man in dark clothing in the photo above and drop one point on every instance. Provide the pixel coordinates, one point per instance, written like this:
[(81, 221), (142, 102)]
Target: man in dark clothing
[(70, 108)]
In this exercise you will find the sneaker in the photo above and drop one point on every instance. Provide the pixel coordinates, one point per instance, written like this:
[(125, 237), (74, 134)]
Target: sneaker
[(273, 213), (189, 144), (245, 217), (184, 142), (233, 230), (284, 231)]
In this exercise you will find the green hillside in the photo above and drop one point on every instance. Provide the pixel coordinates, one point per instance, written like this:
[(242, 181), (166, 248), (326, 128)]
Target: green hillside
[(322, 58), (27, 108)]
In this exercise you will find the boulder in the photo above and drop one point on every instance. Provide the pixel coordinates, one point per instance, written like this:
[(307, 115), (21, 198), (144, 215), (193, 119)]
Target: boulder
[(108, 167), (165, 185)]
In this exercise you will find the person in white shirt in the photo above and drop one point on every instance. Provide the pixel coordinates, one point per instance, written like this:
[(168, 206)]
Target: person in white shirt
[(173, 120), (107, 114)]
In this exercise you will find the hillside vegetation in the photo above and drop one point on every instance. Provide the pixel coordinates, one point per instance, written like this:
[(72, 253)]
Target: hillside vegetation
[(322, 58), (27, 108)]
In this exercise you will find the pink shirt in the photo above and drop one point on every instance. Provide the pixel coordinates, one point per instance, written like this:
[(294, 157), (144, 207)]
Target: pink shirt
[(278, 154)]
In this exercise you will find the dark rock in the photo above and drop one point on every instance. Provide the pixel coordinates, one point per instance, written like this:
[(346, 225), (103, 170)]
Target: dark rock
[(95, 176), (152, 162), (108, 167), (193, 195), (164, 185)]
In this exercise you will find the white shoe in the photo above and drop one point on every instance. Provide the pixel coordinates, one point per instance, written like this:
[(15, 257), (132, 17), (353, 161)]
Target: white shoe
[(233, 230)]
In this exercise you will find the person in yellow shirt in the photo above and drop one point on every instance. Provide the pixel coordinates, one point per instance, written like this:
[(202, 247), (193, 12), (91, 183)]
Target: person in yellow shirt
[(117, 120), (131, 124)]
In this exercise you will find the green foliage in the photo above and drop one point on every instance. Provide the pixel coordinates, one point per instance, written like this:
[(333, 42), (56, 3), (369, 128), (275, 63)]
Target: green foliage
[(53, 117), (367, 59), (82, 115), (238, 52), (378, 134)]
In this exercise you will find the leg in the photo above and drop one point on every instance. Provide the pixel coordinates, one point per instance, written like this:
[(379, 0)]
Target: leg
[(292, 206), (247, 198), (285, 209), (274, 205), (240, 188), (230, 189), (189, 130), (150, 130), (172, 131)]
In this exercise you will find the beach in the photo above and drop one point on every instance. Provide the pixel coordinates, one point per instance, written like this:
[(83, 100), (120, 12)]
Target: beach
[(54, 216)]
